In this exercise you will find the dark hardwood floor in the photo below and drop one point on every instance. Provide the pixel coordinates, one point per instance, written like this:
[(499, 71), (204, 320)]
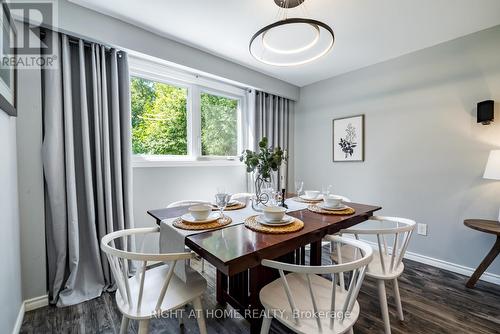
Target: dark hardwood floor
[(434, 301)]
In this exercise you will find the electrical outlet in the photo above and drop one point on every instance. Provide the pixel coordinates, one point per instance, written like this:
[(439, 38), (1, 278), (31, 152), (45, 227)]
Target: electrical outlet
[(422, 229)]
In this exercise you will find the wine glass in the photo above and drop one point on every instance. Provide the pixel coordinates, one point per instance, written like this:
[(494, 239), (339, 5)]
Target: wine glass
[(222, 198), (299, 185)]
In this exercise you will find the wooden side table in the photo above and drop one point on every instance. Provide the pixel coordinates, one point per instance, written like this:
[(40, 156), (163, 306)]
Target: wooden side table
[(486, 226)]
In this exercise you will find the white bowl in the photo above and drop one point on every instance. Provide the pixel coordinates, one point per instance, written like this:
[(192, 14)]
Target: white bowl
[(332, 201), (312, 194), (274, 213), (200, 212)]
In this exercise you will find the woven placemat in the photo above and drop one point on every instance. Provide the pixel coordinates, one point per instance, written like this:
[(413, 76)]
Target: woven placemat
[(238, 206), (184, 225), (347, 211), (309, 201), (251, 223)]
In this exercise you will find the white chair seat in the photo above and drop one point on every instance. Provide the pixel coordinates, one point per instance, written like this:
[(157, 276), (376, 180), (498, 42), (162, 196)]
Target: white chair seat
[(178, 293), (273, 296), (375, 267)]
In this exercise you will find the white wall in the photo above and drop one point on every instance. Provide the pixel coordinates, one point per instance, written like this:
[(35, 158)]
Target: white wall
[(10, 259), (31, 187), (425, 154), (156, 187)]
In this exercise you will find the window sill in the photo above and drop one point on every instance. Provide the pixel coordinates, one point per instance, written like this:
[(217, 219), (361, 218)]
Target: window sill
[(149, 161)]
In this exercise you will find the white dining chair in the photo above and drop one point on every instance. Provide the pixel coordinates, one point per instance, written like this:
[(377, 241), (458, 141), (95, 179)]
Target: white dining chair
[(392, 238), (187, 203), (151, 292), (302, 291), (242, 197)]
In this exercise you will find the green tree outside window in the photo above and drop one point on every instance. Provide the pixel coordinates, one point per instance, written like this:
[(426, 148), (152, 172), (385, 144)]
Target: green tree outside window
[(159, 120)]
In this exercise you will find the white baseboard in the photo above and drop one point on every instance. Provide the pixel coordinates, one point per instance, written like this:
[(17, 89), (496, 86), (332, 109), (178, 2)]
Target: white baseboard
[(19, 320), (37, 302), (453, 267), (26, 306)]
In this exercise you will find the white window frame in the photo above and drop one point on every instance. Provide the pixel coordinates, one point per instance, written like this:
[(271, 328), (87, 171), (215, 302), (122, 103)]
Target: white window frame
[(154, 71)]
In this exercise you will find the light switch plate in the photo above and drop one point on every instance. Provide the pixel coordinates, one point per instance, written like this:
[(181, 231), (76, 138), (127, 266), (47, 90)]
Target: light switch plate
[(422, 229)]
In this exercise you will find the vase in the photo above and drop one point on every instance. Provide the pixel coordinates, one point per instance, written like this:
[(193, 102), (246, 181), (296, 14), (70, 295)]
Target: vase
[(263, 190)]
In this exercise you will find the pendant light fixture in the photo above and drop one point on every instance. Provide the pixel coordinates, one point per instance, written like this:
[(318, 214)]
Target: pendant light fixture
[(291, 41)]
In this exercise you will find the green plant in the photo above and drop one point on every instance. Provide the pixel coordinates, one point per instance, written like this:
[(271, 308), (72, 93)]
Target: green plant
[(266, 160)]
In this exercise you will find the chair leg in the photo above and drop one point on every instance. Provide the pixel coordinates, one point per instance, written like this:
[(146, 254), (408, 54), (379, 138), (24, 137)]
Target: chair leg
[(202, 265), (266, 325), (398, 299), (200, 318), (124, 325), (143, 326), (383, 305), (180, 316)]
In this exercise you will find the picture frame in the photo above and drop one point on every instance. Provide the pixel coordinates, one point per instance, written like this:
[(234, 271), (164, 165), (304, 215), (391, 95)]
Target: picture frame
[(8, 74), (348, 139)]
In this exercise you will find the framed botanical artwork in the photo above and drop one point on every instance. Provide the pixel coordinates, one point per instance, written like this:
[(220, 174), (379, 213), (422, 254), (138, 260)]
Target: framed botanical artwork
[(349, 139), (7, 69)]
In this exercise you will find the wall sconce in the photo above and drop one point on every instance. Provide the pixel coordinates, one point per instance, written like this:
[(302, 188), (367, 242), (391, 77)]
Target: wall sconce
[(485, 112)]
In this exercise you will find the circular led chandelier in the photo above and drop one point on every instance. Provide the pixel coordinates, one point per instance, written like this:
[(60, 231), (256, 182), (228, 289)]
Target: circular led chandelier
[(291, 41)]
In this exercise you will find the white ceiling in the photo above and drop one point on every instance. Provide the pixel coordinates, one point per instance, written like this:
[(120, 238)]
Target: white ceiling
[(366, 31)]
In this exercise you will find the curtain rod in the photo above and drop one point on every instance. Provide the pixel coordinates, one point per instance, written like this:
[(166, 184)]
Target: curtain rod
[(76, 40)]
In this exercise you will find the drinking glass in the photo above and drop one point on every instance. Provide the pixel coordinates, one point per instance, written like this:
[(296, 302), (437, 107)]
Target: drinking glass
[(276, 198), (299, 185), (326, 190), (221, 200)]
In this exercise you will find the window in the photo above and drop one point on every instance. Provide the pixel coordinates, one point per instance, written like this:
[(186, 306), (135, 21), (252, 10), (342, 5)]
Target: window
[(219, 125), (179, 117), (159, 118)]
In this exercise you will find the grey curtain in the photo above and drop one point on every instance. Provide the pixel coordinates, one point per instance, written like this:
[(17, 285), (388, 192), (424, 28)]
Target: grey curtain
[(87, 163), (271, 120)]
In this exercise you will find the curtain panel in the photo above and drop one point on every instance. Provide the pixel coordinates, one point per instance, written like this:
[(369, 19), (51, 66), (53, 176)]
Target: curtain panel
[(87, 163), (269, 117)]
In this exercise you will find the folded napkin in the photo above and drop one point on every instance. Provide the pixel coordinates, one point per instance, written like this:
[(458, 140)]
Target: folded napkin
[(172, 239)]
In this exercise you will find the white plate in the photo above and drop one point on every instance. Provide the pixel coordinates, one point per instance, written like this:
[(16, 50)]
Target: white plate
[(285, 221), (318, 198), (190, 219), (338, 208)]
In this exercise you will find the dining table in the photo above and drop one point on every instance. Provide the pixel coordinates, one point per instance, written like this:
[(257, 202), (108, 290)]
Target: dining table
[(237, 251)]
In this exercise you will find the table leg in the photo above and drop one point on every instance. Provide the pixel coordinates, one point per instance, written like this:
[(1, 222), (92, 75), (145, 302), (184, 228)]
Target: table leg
[(315, 256), (495, 250), (221, 287)]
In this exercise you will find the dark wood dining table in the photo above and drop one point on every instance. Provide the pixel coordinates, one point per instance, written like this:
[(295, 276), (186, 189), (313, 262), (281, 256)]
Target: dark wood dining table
[(236, 252)]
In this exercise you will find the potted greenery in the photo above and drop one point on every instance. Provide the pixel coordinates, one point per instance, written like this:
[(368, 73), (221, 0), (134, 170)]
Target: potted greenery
[(263, 164)]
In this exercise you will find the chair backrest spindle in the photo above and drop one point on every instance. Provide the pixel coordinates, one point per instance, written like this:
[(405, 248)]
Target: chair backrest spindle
[(141, 287), (313, 299), (289, 295)]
